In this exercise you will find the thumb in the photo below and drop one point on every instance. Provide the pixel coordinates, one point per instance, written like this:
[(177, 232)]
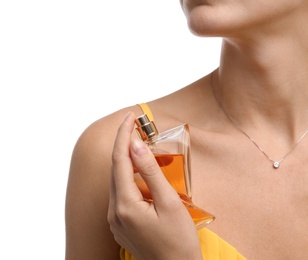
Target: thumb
[(145, 162)]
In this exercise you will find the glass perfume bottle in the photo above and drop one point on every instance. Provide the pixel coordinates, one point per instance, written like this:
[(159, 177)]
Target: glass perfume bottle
[(171, 149)]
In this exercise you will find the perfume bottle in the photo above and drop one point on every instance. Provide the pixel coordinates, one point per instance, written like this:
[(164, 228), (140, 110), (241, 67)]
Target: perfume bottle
[(171, 149)]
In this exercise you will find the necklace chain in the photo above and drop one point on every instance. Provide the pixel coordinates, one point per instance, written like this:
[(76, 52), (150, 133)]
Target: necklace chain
[(276, 164)]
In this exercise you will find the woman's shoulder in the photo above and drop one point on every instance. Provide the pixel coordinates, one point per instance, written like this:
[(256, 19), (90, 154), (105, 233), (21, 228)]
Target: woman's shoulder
[(100, 134), (178, 107), (88, 189)]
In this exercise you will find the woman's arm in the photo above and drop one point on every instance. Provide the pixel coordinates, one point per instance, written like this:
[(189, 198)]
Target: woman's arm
[(88, 234)]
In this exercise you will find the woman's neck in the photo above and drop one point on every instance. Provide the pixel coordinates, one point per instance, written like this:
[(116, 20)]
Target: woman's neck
[(265, 79)]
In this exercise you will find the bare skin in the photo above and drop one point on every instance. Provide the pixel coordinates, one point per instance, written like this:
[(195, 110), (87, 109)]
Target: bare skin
[(262, 82)]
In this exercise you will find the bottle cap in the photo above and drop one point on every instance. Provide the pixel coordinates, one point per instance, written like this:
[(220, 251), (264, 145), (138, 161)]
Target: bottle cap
[(146, 128)]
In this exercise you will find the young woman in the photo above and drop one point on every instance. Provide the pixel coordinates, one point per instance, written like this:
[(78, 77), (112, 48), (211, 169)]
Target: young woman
[(248, 122)]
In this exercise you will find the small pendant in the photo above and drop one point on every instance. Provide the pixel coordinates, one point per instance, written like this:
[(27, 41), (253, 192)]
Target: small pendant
[(276, 165)]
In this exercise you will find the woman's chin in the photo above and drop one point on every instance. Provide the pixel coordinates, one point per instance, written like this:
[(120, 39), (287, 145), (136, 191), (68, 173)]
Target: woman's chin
[(202, 21), (204, 28)]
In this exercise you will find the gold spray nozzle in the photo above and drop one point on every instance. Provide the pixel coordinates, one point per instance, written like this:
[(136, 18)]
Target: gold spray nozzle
[(146, 128)]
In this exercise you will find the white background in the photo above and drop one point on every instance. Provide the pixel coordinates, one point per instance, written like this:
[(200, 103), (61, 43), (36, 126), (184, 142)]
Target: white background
[(63, 65)]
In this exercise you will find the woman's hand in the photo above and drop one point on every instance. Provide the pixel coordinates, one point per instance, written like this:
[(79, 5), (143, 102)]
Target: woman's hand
[(160, 230)]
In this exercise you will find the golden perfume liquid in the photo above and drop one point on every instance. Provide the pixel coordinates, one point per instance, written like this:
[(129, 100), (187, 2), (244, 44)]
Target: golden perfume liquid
[(171, 149), (172, 165)]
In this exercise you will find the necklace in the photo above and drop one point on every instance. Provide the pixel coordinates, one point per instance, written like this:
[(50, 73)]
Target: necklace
[(276, 164)]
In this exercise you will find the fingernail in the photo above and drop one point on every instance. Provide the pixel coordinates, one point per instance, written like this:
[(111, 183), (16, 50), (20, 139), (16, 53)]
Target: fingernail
[(139, 147)]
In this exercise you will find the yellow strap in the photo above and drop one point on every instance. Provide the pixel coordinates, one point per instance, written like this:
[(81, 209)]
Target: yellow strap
[(146, 110)]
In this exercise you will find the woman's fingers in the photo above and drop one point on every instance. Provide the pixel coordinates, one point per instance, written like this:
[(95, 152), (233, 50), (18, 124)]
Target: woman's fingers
[(125, 188), (147, 166), (123, 193), (127, 155)]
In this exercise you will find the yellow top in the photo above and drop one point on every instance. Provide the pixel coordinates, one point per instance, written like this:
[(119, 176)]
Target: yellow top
[(213, 247)]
